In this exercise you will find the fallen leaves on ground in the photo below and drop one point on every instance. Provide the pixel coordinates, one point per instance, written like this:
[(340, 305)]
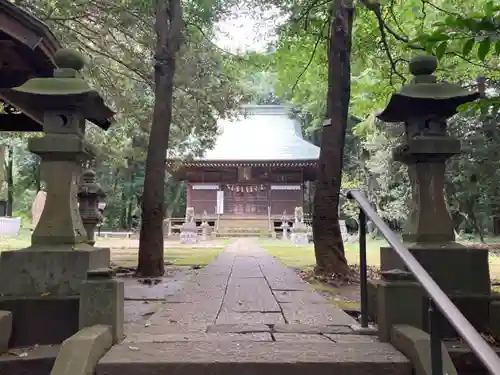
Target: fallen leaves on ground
[(336, 280)]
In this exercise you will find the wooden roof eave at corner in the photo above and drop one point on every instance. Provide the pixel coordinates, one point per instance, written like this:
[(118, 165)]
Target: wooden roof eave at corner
[(36, 35)]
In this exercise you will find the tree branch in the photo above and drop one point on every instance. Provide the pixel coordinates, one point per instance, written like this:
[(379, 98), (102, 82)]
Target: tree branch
[(316, 44)]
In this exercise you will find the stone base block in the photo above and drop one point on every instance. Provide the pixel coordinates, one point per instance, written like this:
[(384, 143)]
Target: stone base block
[(462, 273), (102, 302), (372, 299), (415, 344), (41, 320), (189, 237), (299, 238), (398, 302), (495, 319), (457, 270), (56, 271), (5, 330), (396, 306)]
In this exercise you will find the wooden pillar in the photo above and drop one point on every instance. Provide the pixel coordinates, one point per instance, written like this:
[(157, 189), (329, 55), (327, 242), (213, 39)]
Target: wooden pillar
[(302, 184), (189, 196)]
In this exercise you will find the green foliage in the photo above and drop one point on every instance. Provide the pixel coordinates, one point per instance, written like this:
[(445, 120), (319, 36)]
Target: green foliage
[(473, 36), (463, 35), (118, 39)]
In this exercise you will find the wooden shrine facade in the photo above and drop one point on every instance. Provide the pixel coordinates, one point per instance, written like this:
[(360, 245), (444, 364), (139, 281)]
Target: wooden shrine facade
[(246, 189)]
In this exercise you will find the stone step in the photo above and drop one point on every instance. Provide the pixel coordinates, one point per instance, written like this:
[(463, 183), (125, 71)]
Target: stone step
[(243, 223), (242, 234), (248, 358), (34, 360), (465, 361)]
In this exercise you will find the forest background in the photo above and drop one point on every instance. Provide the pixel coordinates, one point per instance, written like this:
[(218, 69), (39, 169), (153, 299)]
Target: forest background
[(118, 39)]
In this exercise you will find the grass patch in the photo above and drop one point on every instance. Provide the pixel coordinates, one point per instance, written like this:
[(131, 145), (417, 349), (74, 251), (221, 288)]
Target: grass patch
[(181, 257), (302, 256), (193, 256), (22, 240)]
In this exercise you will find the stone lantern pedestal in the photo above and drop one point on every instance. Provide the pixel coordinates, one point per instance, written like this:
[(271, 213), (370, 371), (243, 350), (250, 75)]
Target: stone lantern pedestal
[(424, 106), (41, 284), (299, 229), (189, 230)]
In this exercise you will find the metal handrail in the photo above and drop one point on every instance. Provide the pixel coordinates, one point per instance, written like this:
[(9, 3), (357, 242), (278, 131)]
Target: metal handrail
[(440, 300)]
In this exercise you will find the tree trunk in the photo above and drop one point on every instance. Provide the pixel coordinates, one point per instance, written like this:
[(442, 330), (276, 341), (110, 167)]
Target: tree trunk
[(38, 175), (328, 245), (168, 28), (123, 211)]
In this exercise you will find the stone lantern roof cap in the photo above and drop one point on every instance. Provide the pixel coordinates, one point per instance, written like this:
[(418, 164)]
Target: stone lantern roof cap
[(424, 96)]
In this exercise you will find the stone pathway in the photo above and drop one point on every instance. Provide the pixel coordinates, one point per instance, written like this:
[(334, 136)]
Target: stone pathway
[(245, 307)]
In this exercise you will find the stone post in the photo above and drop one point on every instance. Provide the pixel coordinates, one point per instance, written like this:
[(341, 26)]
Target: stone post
[(45, 279), (102, 301), (90, 193), (3, 197), (284, 227)]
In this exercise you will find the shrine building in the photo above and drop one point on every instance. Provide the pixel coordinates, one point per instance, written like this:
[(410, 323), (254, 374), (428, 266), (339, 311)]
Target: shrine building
[(257, 171)]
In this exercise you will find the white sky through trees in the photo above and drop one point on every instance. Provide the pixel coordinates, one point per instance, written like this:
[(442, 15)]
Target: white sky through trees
[(245, 29)]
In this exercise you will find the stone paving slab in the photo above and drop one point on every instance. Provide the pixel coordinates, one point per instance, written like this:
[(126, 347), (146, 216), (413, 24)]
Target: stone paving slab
[(352, 339), (246, 267), (298, 296), (297, 337), (249, 295), (312, 329), (231, 317), (238, 328), (315, 314)]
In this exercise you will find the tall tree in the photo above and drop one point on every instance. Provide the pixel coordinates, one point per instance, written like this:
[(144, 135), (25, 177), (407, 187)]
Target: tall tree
[(168, 26), (328, 245)]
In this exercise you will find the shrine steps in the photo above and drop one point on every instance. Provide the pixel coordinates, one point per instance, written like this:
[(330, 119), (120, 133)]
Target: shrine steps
[(243, 226), (249, 223)]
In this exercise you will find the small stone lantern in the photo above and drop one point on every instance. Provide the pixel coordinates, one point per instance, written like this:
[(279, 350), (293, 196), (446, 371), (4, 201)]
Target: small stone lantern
[(424, 106), (90, 193)]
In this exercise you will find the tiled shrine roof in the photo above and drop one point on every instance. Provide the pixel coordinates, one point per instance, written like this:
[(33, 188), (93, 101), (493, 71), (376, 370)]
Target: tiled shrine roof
[(262, 134)]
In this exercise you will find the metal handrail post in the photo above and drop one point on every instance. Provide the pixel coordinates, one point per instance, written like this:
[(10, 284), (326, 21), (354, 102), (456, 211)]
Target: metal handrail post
[(434, 331), (363, 282)]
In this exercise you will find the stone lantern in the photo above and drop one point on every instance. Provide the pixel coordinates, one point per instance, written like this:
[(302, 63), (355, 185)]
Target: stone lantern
[(90, 193), (67, 102), (56, 263), (424, 106)]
